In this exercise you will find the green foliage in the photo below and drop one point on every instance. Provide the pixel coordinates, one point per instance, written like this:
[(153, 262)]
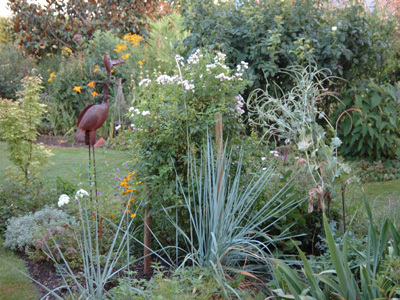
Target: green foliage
[(170, 110), (184, 283), (49, 28), (371, 128), (293, 118), (378, 170), (13, 68), (227, 234), (19, 122), (22, 231), (7, 35), (340, 281), (349, 40)]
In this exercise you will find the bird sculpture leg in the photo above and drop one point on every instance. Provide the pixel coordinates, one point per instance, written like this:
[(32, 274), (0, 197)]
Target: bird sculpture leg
[(95, 176), (90, 169)]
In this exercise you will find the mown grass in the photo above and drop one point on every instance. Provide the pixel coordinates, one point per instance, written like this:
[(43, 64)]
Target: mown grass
[(13, 284), (71, 164)]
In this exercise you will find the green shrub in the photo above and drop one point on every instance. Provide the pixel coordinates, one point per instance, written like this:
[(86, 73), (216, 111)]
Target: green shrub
[(349, 40), (14, 66), (371, 128), (19, 122), (184, 283), (22, 231), (377, 170)]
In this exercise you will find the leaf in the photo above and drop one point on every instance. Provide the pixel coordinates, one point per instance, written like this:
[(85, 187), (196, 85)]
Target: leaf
[(358, 100), (376, 99)]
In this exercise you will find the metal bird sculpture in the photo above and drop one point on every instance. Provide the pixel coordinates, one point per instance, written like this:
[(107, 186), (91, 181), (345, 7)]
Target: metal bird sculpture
[(94, 116)]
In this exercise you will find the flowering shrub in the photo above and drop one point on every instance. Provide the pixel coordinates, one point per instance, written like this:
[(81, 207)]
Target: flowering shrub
[(168, 107)]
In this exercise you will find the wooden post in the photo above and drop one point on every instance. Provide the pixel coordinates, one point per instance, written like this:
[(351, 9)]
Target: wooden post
[(147, 241), (220, 147)]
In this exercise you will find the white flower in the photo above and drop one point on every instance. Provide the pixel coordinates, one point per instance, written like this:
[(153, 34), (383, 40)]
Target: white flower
[(81, 193), (165, 79), (145, 82), (64, 199), (222, 76), (117, 127), (137, 111), (263, 158), (145, 113), (287, 141), (334, 28), (133, 126), (336, 142)]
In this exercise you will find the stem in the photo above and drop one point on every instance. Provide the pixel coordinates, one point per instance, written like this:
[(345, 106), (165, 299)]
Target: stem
[(343, 207)]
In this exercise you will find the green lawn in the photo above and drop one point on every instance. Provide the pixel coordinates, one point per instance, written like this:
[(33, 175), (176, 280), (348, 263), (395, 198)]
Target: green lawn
[(69, 163), (13, 284)]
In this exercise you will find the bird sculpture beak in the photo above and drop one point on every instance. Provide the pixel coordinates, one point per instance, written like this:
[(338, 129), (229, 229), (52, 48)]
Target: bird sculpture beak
[(109, 64)]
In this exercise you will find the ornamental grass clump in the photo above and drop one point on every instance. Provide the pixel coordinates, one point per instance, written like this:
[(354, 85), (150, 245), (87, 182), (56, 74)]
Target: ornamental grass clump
[(227, 234)]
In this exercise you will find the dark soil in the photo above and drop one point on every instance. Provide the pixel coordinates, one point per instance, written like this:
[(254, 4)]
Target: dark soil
[(45, 273), (60, 142)]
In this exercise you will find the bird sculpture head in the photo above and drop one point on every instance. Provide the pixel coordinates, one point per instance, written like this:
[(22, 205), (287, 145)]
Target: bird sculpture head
[(109, 63)]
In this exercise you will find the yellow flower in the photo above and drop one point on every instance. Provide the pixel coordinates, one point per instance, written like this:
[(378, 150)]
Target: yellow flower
[(128, 211), (52, 75), (123, 183), (140, 62), (112, 71), (119, 48), (133, 215), (48, 70), (94, 94), (77, 88), (95, 69), (126, 56), (131, 200), (91, 84)]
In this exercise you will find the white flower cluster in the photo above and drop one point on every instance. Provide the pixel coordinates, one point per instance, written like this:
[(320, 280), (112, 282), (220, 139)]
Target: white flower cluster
[(145, 82), (188, 86), (138, 112), (179, 59), (239, 105), (166, 79), (194, 59), (64, 199), (223, 77)]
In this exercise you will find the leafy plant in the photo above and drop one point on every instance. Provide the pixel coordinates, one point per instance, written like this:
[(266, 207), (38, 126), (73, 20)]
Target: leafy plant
[(226, 233), (340, 282), (293, 118), (371, 132), (13, 68), (21, 231), (68, 24), (18, 123)]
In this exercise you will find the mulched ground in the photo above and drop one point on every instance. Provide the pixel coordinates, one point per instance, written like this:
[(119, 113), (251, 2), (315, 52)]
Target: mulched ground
[(60, 142)]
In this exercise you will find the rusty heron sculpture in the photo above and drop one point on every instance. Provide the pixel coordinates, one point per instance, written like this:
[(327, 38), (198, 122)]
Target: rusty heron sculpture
[(93, 117)]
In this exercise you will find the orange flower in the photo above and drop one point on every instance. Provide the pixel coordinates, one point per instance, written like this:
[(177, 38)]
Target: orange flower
[(95, 69), (94, 94), (128, 211), (111, 215), (140, 62), (91, 84), (112, 71), (133, 215), (77, 89), (131, 200), (126, 56)]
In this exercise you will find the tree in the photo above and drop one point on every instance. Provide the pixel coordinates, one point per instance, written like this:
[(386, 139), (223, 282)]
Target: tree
[(64, 23)]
